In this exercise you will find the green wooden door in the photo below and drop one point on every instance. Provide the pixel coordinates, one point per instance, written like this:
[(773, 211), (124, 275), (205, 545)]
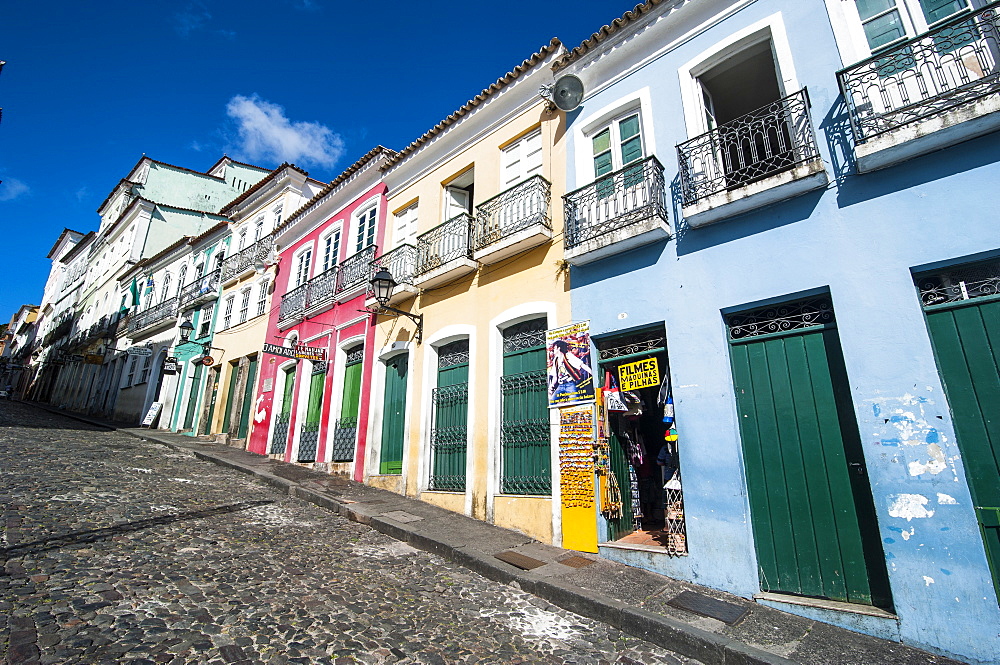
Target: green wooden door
[(811, 507), (619, 527), (234, 373), (279, 437), (449, 433), (213, 380), (345, 434), (394, 415), (248, 405), (193, 396), (526, 463), (309, 433), (966, 340)]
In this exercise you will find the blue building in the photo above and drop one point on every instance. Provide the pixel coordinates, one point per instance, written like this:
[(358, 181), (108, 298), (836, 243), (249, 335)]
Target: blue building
[(790, 205)]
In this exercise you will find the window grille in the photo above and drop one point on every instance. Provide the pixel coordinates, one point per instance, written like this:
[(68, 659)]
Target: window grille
[(786, 317), (959, 283), (526, 466)]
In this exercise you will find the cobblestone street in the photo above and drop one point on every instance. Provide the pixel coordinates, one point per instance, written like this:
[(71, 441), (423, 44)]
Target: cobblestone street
[(122, 551)]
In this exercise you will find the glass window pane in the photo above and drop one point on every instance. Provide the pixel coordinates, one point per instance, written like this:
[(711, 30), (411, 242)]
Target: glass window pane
[(628, 127), (936, 10), (884, 29), (869, 8), (602, 142)]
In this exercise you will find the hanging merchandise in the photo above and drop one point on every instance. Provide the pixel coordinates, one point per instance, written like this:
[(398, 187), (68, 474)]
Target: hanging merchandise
[(633, 481), (612, 396)]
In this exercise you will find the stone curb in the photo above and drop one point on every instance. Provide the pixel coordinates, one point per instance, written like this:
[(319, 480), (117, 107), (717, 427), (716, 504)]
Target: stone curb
[(710, 648)]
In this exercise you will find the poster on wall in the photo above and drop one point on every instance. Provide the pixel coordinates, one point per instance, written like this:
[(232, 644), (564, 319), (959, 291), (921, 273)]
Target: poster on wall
[(570, 376), (576, 477)]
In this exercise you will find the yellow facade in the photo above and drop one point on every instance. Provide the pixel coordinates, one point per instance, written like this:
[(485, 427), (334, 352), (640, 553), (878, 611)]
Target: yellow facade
[(532, 282)]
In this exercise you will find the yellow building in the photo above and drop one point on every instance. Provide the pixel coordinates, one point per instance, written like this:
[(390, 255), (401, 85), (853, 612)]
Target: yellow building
[(474, 243)]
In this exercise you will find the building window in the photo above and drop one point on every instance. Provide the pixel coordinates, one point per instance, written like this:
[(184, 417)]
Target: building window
[(205, 323), (181, 275), (129, 380), (458, 195), (146, 364), (243, 239), (258, 229), (331, 250), (244, 305), (366, 229), (449, 431), (405, 225), (522, 159), (227, 315), (277, 216), (345, 431), (302, 264), (526, 466), (262, 298), (617, 144)]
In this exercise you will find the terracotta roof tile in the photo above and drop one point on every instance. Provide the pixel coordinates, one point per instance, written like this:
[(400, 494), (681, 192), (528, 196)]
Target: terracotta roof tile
[(369, 156), (553, 46), (227, 157), (605, 32)]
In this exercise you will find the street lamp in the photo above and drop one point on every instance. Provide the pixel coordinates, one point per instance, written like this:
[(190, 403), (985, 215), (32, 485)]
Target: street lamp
[(382, 285), (186, 329)]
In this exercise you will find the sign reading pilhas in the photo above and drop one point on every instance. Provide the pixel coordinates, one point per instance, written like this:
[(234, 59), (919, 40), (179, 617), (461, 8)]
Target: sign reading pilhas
[(640, 374)]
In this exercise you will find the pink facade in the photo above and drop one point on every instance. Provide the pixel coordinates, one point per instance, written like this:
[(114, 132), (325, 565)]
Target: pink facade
[(319, 303)]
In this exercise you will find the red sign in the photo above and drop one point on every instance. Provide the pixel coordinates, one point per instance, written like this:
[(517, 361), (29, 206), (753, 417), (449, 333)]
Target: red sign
[(208, 361)]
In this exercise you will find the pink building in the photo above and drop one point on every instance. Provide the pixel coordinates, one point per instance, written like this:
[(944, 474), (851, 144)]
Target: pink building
[(313, 392)]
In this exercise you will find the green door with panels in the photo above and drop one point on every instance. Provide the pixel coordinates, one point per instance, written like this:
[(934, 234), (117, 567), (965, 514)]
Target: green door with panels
[(279, 438), (193, 396), (248, 405), (449, 432), (234, 373), (811, 507), (345, 433), (394, 415), (309, 433), (963, 316), (526, 463)]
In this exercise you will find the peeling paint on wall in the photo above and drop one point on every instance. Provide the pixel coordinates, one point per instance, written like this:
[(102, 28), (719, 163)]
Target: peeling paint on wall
[(946, 500), (909, 506), (935, 465)]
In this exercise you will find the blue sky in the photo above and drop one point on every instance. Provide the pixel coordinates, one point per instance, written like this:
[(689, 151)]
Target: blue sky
[(91, 86)]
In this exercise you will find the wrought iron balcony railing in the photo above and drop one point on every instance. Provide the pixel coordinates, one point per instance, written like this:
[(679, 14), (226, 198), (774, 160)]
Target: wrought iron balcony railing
[(614, 201), (356, 269), (243, 260), (323, 287), (203, 286), (401, 264), (293, 303), (513, 210), (445, 242), (153, 315), (774, 138), (946, 67)]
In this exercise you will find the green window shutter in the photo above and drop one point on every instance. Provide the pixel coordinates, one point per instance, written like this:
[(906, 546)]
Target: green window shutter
[(449, 432), (234, 372), (345, 433), (526, 466), (193, 396), (309, 431), (279, 438)]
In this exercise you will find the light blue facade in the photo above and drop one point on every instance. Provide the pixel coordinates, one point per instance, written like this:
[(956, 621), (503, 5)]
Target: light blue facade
[(860, 239)]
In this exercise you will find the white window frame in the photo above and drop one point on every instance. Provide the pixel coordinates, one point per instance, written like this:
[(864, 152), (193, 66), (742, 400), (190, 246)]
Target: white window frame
[(205, 320), (130, 377), (298, 276), (258, 228), (593, 124), (262, 298), (227, 313), (147, 364), (242, 236), (404, 224), (244, 305), (276, 214), (326, 262), (362, 212), (514, 153), (770, 28)]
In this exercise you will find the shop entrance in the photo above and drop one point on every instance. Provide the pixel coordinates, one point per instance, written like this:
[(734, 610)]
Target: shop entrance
[(641, 493)]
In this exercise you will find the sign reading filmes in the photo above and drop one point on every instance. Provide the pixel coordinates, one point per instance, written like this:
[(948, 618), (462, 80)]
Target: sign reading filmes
[(299, 351)]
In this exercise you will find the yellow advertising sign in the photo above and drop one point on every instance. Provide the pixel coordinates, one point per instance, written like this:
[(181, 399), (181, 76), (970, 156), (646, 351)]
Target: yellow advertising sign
[(640, 374), (576, 477)]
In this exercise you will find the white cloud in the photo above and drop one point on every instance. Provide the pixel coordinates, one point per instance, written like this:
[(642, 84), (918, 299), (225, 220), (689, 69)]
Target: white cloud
[(265, 133), (11, 188), (194, 17), (82, 193)]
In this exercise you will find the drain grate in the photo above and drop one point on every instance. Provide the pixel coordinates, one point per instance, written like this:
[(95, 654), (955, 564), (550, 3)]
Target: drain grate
[(519, 560), (708, 607), (576, 562)]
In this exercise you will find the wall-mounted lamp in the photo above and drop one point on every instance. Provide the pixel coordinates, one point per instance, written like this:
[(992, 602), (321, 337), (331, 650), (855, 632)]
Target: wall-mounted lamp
[(383, 284), (186, 329)]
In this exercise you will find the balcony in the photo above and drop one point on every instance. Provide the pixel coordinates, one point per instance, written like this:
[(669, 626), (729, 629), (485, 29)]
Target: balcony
[(341, 283), (926, 93), (293, 306), (243, 261), (157, 316), (513, 221), (444, 253), (401, 264), (617, 212), (200, 291), (760, 158)]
